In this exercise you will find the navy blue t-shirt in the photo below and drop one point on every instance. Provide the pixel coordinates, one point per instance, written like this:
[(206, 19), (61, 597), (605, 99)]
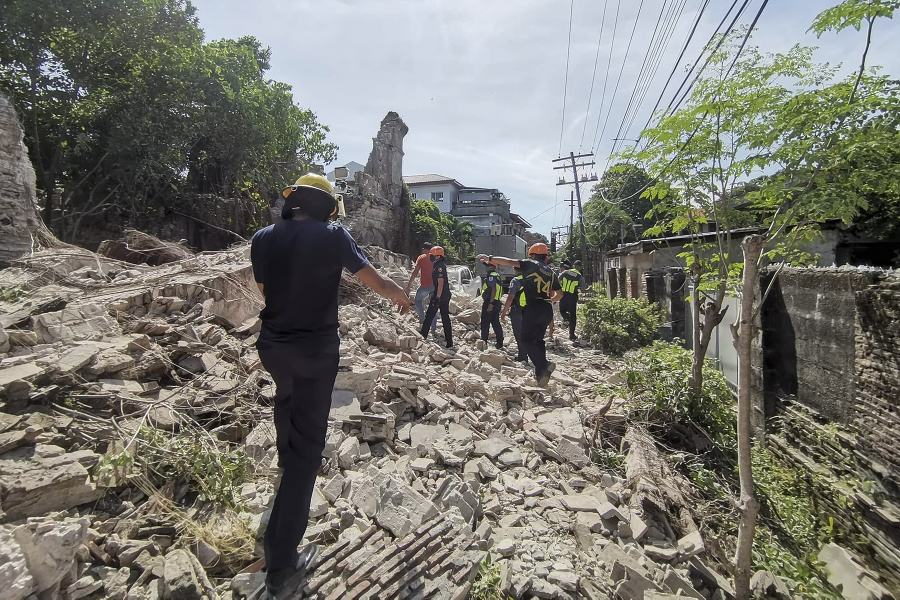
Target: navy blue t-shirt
[(299, 264), (439, 271)]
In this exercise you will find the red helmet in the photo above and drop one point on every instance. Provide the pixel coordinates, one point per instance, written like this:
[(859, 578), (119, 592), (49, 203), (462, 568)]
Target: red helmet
[(539, 248), (436, 251)]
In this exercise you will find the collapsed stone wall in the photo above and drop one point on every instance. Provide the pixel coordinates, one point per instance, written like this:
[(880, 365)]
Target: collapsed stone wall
[(377, 202), (21, 228), (829, 370)]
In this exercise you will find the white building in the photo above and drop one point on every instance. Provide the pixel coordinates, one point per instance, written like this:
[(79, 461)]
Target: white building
[(443, 191), (352, 167)]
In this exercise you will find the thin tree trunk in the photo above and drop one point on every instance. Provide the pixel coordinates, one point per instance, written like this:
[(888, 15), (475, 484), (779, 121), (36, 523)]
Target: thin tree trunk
[(748, 505)]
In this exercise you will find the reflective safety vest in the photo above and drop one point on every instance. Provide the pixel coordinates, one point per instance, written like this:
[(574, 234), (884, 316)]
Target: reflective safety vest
[(570, 282), (520, 293), (493, 279)]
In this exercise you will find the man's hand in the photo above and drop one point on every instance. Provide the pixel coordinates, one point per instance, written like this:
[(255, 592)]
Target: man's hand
[(401, 301), (503, 314), (406, 289), (384, 287), (490, 307)]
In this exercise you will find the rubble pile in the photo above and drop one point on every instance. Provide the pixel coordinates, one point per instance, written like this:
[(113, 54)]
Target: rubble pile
[(435, 457)]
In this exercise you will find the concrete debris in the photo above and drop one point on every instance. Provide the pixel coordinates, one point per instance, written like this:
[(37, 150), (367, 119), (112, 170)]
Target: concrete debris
[(849, 576), (433, 456)]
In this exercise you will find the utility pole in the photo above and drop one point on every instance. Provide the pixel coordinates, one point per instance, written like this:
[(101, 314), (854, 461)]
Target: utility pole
[(559, 237), (571, 213), (573, 164)]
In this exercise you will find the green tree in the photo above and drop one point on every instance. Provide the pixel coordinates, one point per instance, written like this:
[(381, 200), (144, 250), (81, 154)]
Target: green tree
[(780, 114), (125, 109), (623, 185), (429, 224), (701, 153)]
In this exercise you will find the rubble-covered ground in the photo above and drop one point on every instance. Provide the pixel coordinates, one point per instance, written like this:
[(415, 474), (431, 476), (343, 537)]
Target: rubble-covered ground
[(137, 453)]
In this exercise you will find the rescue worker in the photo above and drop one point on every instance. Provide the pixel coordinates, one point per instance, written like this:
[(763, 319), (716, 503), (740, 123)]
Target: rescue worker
[(440, 300), (426, 284), (297, 264), (563, 265), (491, 291), (515, 301), (541, 288), (571, 281)]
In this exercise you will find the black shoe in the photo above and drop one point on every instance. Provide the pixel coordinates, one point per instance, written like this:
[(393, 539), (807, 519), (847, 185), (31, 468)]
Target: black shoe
[(500, 345), (573, 337), (280, 584), (544, 378)]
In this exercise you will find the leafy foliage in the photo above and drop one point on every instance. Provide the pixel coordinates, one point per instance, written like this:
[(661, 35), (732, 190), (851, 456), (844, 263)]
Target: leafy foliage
[(126, 110), (801, 530), (456, 236), (660, 373), (616, 325), (187, 457), (852, 13), (487, 582)]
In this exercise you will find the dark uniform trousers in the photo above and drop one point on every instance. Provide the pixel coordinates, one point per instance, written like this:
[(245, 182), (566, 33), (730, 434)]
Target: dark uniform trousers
[(568, 308), (444, 306), (515, 317), (491, 318), (303, 385), (536, 317)]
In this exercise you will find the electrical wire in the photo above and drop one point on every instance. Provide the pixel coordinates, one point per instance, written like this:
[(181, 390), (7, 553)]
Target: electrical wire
[(562, 123), (647, 72), (593, 77), (622, 70), (684, 47), (703, 117), (606, 76), (709, 56)]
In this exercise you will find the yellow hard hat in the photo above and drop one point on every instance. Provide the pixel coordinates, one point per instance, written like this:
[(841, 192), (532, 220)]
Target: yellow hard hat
[(310, 180), (314, 188)]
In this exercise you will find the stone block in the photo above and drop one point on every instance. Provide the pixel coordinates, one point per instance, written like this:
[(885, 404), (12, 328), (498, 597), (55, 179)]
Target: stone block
[(32, 483), (847, 573), (88, 322)]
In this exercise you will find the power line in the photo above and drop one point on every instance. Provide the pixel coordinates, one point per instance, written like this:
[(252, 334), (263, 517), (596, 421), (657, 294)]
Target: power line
[(624, 61), (593, 77), (704, 115), (700, 11), (562, 123), (709, 57), (606, 76), (648, 68)]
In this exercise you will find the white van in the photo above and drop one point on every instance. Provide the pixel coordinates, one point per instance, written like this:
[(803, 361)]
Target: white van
[(463, 281)]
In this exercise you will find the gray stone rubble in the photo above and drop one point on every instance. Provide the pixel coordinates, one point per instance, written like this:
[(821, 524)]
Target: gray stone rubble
[(434, 456)]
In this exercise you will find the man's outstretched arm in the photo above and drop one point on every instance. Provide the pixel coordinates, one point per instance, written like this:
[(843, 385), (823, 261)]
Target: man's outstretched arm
[(500, 260), (384, 287)]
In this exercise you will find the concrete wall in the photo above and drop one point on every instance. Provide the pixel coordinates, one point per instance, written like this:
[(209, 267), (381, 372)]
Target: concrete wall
[(423, 192), (876, 409), (827, 365), (808, 334)]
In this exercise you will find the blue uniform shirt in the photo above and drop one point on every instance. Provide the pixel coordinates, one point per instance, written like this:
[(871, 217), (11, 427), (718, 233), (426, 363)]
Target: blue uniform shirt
[(299, 264), (440, 272)]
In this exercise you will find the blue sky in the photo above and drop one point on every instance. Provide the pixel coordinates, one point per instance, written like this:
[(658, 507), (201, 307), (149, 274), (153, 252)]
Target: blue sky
[(480, 84)]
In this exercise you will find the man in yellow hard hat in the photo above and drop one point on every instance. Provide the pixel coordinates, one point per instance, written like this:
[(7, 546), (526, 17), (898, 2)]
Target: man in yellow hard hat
[(297, 264), (540, 287)]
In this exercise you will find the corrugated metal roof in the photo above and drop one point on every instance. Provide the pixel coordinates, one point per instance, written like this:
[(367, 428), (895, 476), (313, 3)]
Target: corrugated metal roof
[(430, 178)]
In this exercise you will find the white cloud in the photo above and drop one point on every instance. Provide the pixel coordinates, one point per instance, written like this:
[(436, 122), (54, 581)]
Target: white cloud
[(480, 84)]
